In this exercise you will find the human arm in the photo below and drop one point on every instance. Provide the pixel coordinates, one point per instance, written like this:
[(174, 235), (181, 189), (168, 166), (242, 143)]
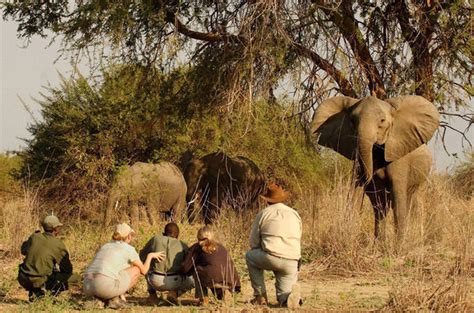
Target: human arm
[(255, 232), (189, 260), (145, 266), (65, 265), (25, 246)]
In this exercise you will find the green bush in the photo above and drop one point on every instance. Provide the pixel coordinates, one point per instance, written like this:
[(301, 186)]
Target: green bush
[(9, 164), (90, 129)]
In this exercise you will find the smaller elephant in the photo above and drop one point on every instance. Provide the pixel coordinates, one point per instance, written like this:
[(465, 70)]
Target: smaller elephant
[(217, 177), (160, 188)]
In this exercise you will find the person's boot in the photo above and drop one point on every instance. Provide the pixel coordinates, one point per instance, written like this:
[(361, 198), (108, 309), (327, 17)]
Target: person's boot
[(153, 298), (115, 303), (172, 297), (260, 300), (294, 299), (35, 294)]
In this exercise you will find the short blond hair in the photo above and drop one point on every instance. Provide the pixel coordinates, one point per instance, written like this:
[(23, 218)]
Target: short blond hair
[(206, 240)]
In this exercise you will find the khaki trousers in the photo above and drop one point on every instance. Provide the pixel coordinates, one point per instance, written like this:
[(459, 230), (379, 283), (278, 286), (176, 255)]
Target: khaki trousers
[(285, 270)]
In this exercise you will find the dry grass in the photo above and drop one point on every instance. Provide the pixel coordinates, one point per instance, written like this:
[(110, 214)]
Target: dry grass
[(432, 270)]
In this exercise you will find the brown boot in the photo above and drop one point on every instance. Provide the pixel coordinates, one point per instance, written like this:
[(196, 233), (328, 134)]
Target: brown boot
[(172, 297), (259, 300), (294, 299)]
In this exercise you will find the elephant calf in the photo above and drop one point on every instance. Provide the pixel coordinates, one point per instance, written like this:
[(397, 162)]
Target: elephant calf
[(217, 177), (160, 188)]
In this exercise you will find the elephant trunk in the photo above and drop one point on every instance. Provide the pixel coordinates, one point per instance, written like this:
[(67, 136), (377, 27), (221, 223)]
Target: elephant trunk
[(366, 142)]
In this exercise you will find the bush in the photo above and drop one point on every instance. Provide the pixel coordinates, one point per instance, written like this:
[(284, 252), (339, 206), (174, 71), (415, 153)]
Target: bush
[(91, 128)]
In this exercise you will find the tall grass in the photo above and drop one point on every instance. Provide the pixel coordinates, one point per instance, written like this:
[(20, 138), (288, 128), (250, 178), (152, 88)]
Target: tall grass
[(429, 272)]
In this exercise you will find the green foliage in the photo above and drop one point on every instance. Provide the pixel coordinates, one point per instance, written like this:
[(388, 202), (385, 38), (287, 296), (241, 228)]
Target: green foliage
[(464, 177), (8, 166), (90, 129)]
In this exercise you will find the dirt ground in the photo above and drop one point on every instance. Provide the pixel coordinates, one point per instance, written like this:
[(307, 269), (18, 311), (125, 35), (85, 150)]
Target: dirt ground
[(320, 292)]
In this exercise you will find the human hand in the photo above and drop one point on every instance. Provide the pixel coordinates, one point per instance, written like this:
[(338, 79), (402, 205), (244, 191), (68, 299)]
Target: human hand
[(159, 256)]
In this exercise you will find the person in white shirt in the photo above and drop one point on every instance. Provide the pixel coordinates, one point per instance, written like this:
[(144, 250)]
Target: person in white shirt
[(275, 242), (116, 268)]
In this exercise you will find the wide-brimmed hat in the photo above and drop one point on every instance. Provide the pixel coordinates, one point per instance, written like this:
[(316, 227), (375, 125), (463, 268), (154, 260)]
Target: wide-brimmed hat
[(50, 222), (123, 230), (275, 194)]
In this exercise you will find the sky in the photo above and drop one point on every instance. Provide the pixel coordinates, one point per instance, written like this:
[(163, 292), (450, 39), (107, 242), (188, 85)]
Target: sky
[(25, 70)]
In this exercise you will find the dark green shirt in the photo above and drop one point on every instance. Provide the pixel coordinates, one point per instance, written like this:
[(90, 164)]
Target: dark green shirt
[(42, 252), (175, 252)]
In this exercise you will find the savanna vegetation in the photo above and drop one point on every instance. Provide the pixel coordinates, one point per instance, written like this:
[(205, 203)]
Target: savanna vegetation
[(243, 77)]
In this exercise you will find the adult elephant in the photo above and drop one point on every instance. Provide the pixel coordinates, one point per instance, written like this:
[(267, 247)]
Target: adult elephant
[(217, 177), (159, 188), (387, 139)]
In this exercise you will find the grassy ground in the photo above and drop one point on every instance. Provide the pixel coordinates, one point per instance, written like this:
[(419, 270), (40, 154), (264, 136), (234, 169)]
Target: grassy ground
[(343, 267)]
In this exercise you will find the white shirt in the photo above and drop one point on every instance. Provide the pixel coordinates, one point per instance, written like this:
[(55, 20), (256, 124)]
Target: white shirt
[(277, 230), (112, 258)]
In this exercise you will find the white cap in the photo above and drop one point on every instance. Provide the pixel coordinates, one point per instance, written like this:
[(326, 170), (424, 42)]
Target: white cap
[(123, 230)]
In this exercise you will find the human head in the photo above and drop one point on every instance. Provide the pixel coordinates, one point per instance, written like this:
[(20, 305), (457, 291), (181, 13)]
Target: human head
[(205, 233), (123, 232), (171, 230), (51, 224), (205, 237), (275, 194)]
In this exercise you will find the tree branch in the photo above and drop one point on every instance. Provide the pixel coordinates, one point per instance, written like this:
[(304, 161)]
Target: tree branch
[(343, 18), (344, 85)]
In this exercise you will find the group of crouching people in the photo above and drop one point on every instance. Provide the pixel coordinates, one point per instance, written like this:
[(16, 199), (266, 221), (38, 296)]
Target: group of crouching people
[(169, 265)]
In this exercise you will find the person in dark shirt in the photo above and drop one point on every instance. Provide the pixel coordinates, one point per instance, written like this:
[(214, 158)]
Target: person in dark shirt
[(165, 275), (46, 264), (212, 267)]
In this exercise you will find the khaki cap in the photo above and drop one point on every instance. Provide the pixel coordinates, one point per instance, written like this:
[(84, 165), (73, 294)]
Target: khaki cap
[(123, 230), (50, 222)]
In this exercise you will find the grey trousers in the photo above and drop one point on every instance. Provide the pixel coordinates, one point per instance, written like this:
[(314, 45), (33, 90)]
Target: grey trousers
[(178, 283), (285, 270)]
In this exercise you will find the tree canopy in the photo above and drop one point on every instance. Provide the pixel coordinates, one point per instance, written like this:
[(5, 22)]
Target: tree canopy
[(252, 48)]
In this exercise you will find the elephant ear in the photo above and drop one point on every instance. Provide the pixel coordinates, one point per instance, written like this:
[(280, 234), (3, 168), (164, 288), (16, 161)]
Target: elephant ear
[(415, 120), (332, 122)]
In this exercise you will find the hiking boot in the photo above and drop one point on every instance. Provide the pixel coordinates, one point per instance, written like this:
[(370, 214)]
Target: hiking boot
[(93, 303), (153, 298), (116, 303), (259, 300), (294, 299), (35, 294), (172, 297)]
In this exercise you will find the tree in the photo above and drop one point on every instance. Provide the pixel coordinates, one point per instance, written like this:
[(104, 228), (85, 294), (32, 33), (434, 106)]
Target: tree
[(250, 49)]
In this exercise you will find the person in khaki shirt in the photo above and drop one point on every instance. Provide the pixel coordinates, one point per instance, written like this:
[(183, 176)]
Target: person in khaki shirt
[(46, 264), (275, 242)]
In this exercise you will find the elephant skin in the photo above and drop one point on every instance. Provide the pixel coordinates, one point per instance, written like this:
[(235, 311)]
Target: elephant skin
[(387, 140), (216, 178), (159, 187)]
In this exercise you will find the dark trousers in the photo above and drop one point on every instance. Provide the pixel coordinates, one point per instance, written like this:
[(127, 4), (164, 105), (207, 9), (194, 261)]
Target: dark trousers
[(56, 282), (202, 290)]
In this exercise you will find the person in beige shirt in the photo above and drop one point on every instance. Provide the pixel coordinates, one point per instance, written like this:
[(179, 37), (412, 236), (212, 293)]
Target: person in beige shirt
[(275, 242)]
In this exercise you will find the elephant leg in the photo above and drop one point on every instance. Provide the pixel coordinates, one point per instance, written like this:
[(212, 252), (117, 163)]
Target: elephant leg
[(176, 211), (378, 196), (400, 208), (134, 214), (151, 213)]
